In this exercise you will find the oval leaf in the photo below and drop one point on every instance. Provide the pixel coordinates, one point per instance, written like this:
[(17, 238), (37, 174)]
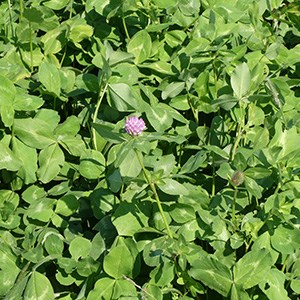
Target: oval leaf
[(240, 80), (140, 46), (252, 268), (172, 187), (39, 287), (50, 160), (118, 262)]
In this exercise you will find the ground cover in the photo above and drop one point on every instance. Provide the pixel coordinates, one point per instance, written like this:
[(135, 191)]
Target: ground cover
[(149, 149)]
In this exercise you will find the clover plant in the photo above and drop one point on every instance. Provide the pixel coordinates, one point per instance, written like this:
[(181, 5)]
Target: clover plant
[(149, 149)]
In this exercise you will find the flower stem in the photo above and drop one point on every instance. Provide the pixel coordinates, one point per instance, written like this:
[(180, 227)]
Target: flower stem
[(153, 188), (233, 205)]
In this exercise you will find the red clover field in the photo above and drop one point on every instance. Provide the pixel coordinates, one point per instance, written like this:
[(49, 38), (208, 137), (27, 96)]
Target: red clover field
[(150, 149)]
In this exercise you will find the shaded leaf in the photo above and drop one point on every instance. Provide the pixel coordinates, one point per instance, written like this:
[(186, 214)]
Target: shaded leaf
[(122, 98), (106, 130), (67, 205), (129, 164)]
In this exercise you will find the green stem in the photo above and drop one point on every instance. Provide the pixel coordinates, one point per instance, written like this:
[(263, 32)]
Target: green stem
[(125, 28), (23, 272), (63, 57), (194, 110), (66, 47), (96, 114), (44, 260), (21, 11), (11, 18), (31, 48), (213, 188), (153, 188), (71, 9), (238, 139), (280, 183), (233, 205)]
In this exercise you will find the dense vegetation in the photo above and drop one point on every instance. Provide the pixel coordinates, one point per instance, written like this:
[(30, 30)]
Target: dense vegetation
[(204, 203)]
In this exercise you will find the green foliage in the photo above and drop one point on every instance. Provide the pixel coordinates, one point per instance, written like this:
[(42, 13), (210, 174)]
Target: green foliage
[(203, 204)]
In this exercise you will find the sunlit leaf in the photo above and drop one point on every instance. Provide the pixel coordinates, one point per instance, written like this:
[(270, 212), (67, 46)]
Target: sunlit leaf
[(7, 96), (252, 268), (240, 80), (80, 247), (50, 78), (39, 287), (172, 187), (92, 164), (140, 45), (213, 273), (8, 159), (51, 160), (118, 262), (34, 133)]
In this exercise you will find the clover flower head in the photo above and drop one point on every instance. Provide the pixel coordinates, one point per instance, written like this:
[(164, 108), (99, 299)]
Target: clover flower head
[(134, 126), (238, 178)]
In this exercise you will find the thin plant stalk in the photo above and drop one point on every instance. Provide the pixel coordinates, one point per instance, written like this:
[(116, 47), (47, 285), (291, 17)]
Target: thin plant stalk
[(125, 28), (213, 187), (194, 110), (66, 47), (31, 47), (21, 11), (23, 273), (240, 130), (96, 114), (153, 188), (71, 9), (63, 56), (233, 205), (11, 18)]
